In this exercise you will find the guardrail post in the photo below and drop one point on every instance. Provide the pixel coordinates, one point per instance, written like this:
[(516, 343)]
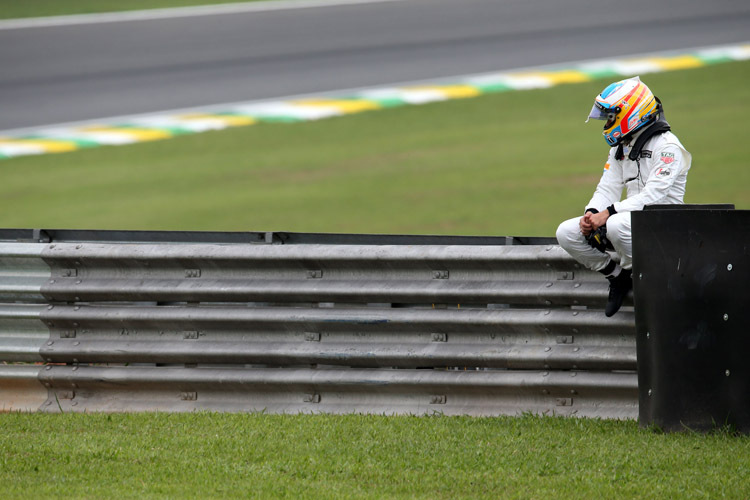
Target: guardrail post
[(691, 276)]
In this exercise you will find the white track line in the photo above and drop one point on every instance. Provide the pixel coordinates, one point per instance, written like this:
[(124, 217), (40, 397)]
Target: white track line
[(176, 12)]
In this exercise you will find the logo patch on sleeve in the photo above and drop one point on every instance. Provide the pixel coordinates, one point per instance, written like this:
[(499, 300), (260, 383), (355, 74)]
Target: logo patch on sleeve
[(606, 167), (663, 172), (667, 158), (645, 153)]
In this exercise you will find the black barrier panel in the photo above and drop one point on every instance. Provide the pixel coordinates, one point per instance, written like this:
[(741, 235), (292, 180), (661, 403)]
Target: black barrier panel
[(691, 277)]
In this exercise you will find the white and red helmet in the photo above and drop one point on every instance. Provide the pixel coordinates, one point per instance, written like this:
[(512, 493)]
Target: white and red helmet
[(627, 106)]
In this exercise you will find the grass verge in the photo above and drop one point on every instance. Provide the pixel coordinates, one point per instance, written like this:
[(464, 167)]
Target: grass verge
[(511, 163), (11, 9), (211, 455)]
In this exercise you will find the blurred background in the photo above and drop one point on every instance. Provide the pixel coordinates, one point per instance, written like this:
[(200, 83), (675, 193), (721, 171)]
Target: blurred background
[(511, 163)]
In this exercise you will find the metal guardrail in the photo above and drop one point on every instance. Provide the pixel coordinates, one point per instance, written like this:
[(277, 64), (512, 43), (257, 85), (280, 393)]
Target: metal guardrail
[(290, 322)]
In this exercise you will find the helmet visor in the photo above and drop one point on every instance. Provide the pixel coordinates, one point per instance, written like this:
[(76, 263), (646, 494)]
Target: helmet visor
[(598, 112)]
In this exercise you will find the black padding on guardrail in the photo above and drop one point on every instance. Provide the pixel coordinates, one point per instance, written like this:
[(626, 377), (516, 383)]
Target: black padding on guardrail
[(692, 303)]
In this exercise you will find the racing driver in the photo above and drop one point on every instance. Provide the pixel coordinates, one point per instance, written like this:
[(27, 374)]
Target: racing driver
[(646, 159)]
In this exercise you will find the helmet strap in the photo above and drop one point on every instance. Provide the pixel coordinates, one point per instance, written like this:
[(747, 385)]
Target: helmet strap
[(658, 127)]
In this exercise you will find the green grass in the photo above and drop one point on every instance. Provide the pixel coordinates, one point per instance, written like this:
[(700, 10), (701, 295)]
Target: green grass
[(10, 9), (504, 164), (208, 455)]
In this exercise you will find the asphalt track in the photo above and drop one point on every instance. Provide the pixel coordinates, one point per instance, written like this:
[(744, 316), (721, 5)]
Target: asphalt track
[(59, 74)]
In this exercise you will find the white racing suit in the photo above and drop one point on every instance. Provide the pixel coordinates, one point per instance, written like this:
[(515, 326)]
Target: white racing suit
[(657, 176)]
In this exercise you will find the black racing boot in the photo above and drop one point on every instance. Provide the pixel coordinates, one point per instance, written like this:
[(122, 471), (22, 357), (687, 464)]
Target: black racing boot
[(619, 287)]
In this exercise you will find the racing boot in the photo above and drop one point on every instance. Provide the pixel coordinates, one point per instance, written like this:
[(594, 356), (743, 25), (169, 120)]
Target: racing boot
[(619, 286)]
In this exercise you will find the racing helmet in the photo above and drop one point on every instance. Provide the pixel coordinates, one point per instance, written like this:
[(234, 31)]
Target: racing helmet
[(627, 106)]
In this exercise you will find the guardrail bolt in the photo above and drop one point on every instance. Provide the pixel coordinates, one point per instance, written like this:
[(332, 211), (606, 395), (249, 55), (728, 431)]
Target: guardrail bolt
[(312, 398), (726, 317), (438, 399), (315, 274), (729, 267), (726, 373), (440, 337), (189, 396)]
